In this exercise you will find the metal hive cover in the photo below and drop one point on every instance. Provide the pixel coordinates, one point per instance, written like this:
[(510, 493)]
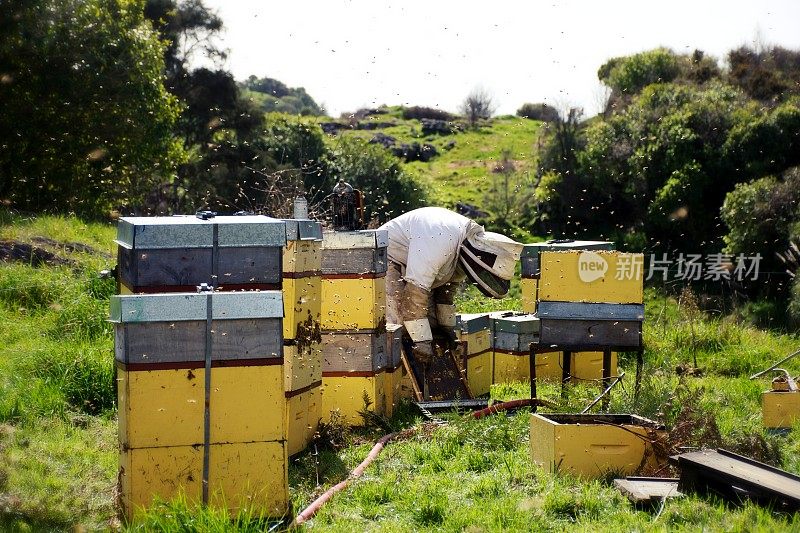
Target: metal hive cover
[(188, 231), (303, 230), (590, 311), (520, 324), (193, 306), (473, 322), (533, 249)]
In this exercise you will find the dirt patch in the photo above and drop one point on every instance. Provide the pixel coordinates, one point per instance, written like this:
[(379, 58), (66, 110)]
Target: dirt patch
[(20, 252)]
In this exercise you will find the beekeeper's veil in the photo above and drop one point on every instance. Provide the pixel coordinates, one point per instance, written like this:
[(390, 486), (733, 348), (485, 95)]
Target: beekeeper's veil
[(488, 260)]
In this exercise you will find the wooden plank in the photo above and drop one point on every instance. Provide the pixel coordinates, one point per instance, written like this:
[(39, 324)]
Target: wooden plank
[(737, 477), (165, 342), (643, 490), (590, 333)]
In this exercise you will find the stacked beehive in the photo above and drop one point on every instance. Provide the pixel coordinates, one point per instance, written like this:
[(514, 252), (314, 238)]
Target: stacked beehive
[(583, 365), (512, 335), (200, 375), (354, 323), (589, 298), (302, 301)]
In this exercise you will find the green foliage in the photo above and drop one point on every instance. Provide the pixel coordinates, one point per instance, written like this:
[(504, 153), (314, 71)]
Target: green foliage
[(275, 96), (541, 111), (388, 190), (631, 74), (768, 74), (87, 122)]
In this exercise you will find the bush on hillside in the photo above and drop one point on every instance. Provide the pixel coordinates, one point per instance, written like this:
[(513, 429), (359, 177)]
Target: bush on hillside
[(420, 112), (542, 111)]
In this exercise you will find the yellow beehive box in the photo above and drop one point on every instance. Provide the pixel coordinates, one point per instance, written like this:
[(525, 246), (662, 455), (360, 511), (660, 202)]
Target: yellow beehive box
[(509, 367), (781, 409), (302, 366), (353, 303), (303, 412), (591, 276), (250, 474), (588, 366), (593, 446), (479, 372), (345, 393), (165, 407), (528, 287)]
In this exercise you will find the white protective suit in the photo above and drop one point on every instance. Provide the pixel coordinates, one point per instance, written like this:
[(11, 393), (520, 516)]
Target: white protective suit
[(424, 268)]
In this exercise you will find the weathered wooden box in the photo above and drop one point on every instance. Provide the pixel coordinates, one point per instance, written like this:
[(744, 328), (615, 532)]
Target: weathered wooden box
[(175, 254), (354, 351), (781, 409), (394, 366), (593, 445), (591, 276), (590, 325), (302, 283)]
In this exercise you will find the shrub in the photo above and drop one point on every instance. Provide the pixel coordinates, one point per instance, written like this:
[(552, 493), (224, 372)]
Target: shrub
[(542, 111), (419, 112)]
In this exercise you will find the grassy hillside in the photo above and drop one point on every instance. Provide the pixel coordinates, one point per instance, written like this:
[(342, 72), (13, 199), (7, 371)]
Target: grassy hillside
[(58, 421), (463, 171)]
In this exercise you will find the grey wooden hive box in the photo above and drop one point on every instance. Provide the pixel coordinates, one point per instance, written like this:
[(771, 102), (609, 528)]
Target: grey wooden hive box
[(590, 324), (362, 352), (174, 254), (515, 333), (169, 330)]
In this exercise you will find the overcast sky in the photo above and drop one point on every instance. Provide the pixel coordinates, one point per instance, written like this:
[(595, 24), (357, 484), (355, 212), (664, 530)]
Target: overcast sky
[(352, 54)]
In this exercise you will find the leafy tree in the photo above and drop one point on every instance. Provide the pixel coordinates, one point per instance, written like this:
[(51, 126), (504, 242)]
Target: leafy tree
[(86, 123), (769, 74)]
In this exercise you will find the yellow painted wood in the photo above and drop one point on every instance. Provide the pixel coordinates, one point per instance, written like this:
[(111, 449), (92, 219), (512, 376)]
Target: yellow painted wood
[(477, 342), (123, 289), (301, 368), (479, 373), (588, 366), (303, 412), (302, 307), (780, 409), (509, 368), (393, 386), (528, 287), (353, 303), (165, 407), (589, 450), (160, 407), (345, 395), (247, 404), (252, 475), (302, 256), (561, 281)]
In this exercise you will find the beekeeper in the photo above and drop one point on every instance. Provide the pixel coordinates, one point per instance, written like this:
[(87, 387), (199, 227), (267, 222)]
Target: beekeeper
[(431, 250)]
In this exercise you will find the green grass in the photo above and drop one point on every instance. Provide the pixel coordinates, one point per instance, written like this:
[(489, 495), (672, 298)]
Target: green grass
[(58, 451)]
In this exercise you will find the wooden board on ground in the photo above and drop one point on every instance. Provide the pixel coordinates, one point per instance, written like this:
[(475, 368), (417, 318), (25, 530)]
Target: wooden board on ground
[(736, 477), (647, 490)]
